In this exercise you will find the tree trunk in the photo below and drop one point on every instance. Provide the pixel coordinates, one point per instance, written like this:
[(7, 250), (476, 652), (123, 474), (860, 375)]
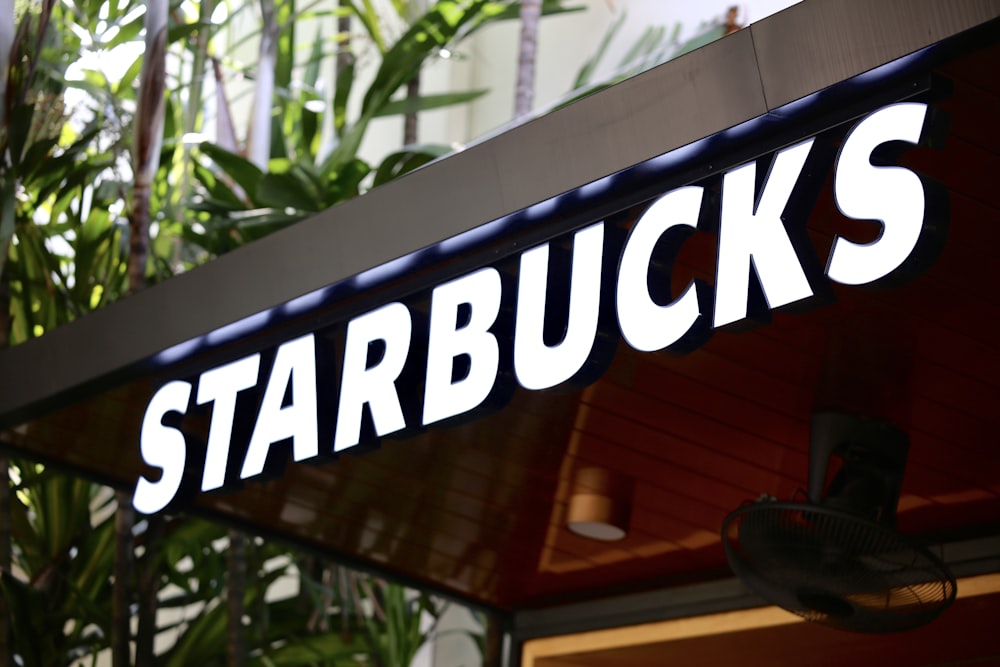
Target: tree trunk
[(124, 559), (732, 23), (235, 593), (198, 67), (145, 161), (147, 586), (259, 139), (148, 139), (410, 120), (342, 74), (5, 560), (6, 190), (6, 44), (6, 647), (6, 227), (5, 537), (138, 245), (493, 649), (225, 131), (524, 98), (414, 10), (344, 55), (5, 319)]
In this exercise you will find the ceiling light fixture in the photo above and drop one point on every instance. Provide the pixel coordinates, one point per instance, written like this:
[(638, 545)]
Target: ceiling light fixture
[(600, 505)]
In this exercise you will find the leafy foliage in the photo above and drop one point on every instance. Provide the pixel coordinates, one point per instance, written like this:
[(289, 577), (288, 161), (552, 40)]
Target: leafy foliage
[(64, 179), (656, 45), (239, 202), (56, 182), (64, 564)]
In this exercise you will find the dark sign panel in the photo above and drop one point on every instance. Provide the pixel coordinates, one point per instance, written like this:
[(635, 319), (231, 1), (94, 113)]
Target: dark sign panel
[(552, 316)]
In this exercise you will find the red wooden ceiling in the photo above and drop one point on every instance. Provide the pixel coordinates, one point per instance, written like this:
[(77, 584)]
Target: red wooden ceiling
[(479, 509)]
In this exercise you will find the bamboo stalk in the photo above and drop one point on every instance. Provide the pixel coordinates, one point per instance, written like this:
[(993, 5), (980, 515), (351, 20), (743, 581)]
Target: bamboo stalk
[(531, 12)]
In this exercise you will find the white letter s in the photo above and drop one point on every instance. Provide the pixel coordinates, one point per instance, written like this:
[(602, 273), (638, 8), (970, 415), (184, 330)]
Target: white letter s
[(162, 447)]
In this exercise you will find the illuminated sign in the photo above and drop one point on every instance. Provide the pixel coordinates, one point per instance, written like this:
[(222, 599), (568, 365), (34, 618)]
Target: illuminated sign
[(399, 370)]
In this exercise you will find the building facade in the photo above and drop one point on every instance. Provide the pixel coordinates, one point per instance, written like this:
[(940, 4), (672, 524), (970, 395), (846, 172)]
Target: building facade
[(539, 375)]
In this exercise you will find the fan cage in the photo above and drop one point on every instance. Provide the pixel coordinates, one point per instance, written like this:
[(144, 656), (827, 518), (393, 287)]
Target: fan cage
[(835, 568)]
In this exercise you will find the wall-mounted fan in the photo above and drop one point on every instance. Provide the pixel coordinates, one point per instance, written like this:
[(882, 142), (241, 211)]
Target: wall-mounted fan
[(837, 559)]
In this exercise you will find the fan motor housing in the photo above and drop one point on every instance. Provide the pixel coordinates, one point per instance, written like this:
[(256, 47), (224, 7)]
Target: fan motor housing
[(837, 559)]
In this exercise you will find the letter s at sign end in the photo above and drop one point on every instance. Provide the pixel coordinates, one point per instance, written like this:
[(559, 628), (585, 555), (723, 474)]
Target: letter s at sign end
[(912, 210), (162, 447)]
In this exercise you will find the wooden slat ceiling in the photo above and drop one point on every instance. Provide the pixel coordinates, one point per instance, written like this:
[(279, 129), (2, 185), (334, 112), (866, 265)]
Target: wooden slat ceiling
[(479, 509)]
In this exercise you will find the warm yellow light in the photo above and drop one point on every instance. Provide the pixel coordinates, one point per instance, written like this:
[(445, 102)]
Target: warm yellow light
[(697, 626)]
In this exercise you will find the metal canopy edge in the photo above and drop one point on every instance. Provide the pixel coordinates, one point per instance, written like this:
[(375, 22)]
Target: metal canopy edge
[(788, 56)]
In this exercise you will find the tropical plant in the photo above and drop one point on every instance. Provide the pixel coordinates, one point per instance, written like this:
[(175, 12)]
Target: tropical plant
[(63, 532), (57, 181), (65, 177), (242, 200), (48, 191), (656, 45)]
